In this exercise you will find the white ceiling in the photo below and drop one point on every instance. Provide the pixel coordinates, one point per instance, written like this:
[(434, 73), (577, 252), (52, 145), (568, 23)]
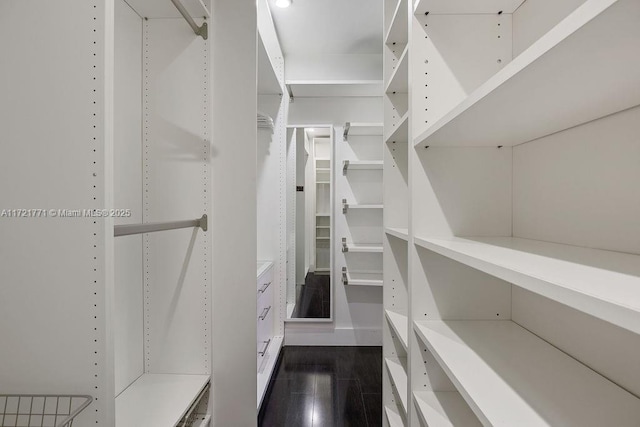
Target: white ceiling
[(314, 27)]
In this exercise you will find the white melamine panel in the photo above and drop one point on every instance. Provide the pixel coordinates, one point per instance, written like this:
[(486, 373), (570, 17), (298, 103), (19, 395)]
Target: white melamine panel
[(362, 187), (233, 232), (398, 123), (580, 187), (268, 82), (466, 7), (396, 184), (393, 417), (398, 372), (158, 400), (335, 111), (444, 409), (176, 180), (400, 233), (166, 9), (398, 31), (445, 289), (329, 88), (596, 39), (399, 79), (392, 55), (604, 284), (451, 56), (462, 191), (534, 18), (362, 147), (55, 148), (128, 297), (395, 272), (400, 325), (510, 377), (605, 348)]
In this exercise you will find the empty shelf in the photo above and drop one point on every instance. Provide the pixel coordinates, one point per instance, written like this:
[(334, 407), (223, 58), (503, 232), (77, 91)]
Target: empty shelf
[(158, 400), (394, 419), (398, 378), (400, 233), (346, 206), (514, 105), (399, 80), (400, 131), (400, 325), (361, 165), (444, 409), (604, 284), (362, 129), (361, 278), (510, 377), (361, 247)]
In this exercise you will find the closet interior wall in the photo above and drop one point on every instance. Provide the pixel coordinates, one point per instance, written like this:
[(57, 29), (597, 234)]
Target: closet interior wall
[(512, 182), (120, 121)]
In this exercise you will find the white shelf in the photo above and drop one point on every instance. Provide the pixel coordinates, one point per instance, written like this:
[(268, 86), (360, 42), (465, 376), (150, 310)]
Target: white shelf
[(444, 409), (346, 206), (335, 88), (322, 214), (400, 233), (400, 132), (361, 165), (323, 226), (398, 375), (583, 69), (323, 169), (393, 417), (363, 247), (262, 266), (323, 238), (264, 375), (604, 284), (398, 31), (165, 9), (400, 325), (361, 278), (510, 377), (364, 129), (158, 400), (465, 6), (323, 182), (399, 80)]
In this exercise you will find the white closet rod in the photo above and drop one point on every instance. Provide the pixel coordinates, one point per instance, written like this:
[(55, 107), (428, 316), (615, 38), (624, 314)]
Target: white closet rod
[(202, 30), (128, 229)]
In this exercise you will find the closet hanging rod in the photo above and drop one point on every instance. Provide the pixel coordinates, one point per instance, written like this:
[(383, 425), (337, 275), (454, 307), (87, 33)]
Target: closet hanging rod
[(128, 229), (202, 30)]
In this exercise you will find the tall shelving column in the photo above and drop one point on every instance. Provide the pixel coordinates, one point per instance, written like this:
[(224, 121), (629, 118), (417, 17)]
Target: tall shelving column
[(396, 214), (519, 170)]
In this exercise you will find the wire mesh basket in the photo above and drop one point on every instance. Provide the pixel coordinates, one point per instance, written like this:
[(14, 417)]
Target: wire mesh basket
[(40, 410)]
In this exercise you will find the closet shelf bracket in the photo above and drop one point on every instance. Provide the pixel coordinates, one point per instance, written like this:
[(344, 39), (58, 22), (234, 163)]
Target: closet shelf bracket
[(129, 229), (345, 206), (202, 31), (345, 248), (347, 126)]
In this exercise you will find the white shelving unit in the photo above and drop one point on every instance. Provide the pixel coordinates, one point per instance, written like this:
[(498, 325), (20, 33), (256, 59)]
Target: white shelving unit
[(531, 382), (393, 417), (511, 245), (361, 247), (493, 115), (360, 165)]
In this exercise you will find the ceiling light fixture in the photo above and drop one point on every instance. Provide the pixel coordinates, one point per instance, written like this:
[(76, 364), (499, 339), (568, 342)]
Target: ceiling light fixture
[(283, 3)]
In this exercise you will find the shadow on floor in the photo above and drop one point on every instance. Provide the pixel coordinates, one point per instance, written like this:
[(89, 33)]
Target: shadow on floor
[(313, 298)]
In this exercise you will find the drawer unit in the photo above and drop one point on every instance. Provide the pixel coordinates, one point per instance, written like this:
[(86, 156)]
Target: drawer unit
[(264, 315)]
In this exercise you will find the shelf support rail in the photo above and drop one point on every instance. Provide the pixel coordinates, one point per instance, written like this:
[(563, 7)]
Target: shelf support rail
[(129, 229), (345, 248), (347, 126), (202, 30), (345, 206), (345, 278)]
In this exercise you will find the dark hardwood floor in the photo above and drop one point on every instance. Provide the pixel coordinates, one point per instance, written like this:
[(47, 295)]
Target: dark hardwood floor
[(313, 298), (325, 387)]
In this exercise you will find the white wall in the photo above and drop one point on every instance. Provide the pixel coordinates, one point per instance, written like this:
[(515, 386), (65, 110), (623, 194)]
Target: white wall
[(334, 67)]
